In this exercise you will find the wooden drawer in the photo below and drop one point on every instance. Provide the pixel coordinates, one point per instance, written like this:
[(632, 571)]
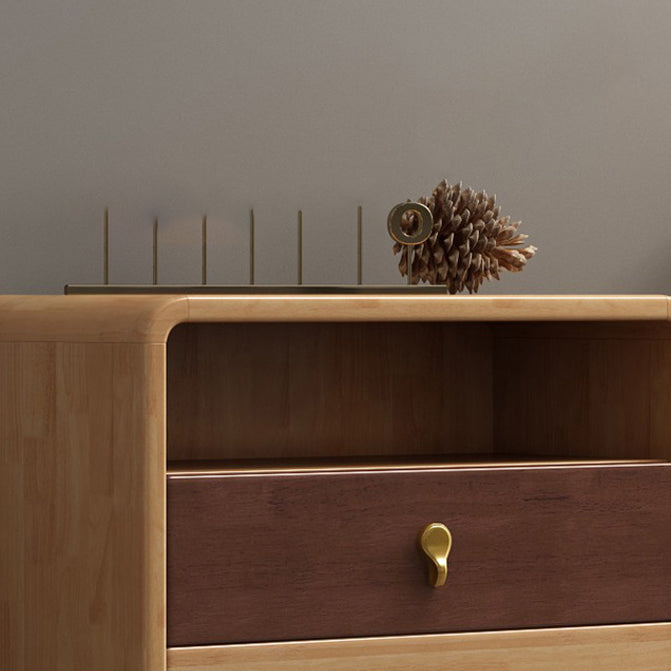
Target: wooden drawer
[(284, 556)]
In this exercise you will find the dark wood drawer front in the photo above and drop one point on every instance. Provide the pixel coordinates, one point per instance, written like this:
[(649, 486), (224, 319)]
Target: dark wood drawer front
[(323, 555)]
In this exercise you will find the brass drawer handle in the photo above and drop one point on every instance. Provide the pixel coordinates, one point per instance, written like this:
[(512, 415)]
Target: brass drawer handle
[(435, 540)]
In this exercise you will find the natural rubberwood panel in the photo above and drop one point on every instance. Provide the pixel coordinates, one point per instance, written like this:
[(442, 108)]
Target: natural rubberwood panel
[(90, 318), (330, 555), (82, 507), (149, 318), (615, 648), (427, 308), (100, 592), (597, 395), (300, 390)]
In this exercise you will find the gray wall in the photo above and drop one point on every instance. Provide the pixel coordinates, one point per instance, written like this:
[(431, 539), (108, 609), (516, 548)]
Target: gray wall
[(560, 107)]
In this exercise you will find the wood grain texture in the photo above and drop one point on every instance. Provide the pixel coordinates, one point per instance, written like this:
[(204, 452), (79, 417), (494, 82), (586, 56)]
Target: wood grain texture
[(82, 449), (427, 308), (591, 394), (82, 571), (333, 555), (140, 319), (613, 648), (331, 389), (149, 318)]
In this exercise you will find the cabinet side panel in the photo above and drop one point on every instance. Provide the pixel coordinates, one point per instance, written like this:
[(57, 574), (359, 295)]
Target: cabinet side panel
[(83, 438), (14, 402)]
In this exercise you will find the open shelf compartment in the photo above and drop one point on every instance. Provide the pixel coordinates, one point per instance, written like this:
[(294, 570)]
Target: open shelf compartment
[(343, 394)]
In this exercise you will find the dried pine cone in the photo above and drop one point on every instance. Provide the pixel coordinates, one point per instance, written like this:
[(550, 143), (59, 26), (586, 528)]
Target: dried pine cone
[(468, 244)]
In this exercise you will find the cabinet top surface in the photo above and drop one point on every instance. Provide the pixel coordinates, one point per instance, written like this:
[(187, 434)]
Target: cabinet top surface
[(150, 318)]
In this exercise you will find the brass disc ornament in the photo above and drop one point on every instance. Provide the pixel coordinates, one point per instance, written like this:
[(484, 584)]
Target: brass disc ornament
[(405, 238), (396, 217)]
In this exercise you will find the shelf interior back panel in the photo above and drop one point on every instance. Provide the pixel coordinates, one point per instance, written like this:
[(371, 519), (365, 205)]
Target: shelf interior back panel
[(307, 390)]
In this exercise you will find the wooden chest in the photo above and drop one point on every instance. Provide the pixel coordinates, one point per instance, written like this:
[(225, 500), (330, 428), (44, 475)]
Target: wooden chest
[(267, 483)]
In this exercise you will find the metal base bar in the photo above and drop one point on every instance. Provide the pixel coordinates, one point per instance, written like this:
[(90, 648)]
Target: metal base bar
[(246, 289)]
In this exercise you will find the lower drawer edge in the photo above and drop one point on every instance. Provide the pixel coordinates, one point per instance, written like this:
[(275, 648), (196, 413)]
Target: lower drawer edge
[(635, 647)]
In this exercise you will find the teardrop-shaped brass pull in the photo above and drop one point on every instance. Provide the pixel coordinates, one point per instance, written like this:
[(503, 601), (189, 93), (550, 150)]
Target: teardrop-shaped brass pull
[(435, 540)]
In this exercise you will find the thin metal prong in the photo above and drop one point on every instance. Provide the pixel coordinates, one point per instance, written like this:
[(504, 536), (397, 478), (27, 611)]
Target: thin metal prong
[(410, 250), (154, 264), (204, 250), (300, 247), (106, 247), (359, 245), (251, 246)]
